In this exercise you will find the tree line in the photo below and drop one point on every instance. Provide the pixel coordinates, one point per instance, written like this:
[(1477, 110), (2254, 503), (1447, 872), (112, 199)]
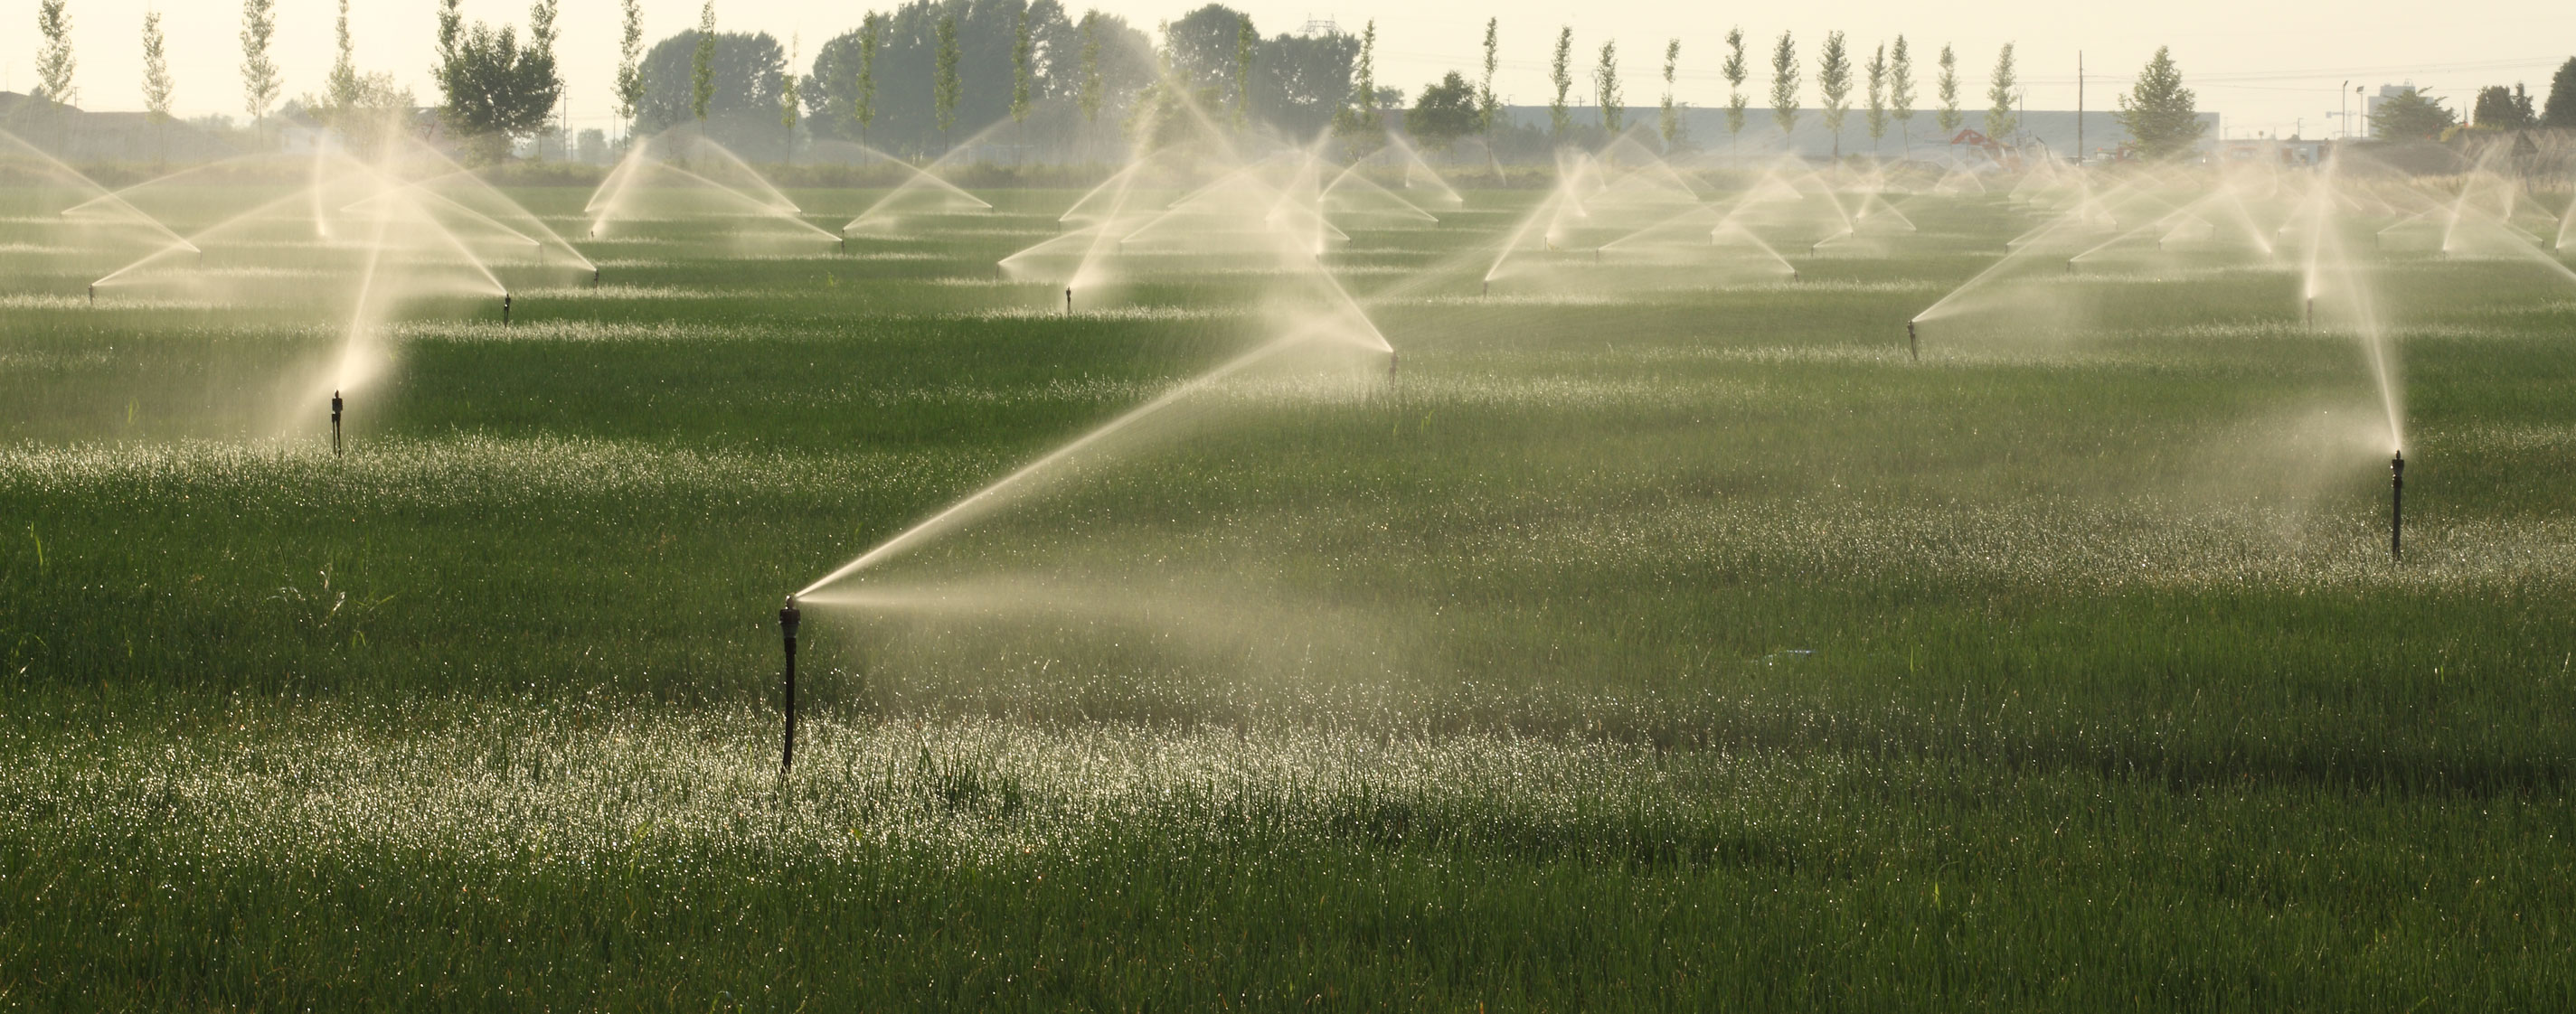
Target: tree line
[(907, 80)]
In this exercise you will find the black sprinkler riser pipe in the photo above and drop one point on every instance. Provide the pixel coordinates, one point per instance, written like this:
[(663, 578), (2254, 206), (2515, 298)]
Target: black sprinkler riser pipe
[(335, 422), (788, 617), (505, 308), (1913, 346), (1068, 302), (2397, 506)]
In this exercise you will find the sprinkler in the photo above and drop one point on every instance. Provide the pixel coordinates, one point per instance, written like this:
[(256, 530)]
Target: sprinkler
[(505, 308), (93, 293), (1068, 301), (1488, 288), (787, 618), (1913, 347), (2397, 505), (2070, 265), (845, 244), (1391, 356), (335, 422), (594, 277), (2312, 310)]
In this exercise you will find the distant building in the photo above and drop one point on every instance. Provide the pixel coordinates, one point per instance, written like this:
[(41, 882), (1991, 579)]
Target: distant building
[(76, 135)]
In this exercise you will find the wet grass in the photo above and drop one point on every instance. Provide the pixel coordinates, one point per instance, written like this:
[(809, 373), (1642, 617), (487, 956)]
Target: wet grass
[(1630, 648)]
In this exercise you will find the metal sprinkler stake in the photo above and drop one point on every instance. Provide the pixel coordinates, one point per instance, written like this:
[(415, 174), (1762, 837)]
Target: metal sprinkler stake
[(2397, 506), (335, 422), (787, 618)]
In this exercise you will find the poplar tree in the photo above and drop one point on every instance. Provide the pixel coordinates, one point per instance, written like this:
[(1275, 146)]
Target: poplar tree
[(1090, 96), (1672, 120), (1487, 106), (156, 70), (54, 63), (863, 108), (2000, 120), (787, 88), (1784, 86), (630, 67), (1737, 70), (1605, 88), (1948, 115), (156, 84), (1560, 72), (1833, 78), (1363, 116), (945, 87), (1245, 39), (259, 73), (702, 63), (1022, 73), (1900, 94), (341, 88), (1877, 97)]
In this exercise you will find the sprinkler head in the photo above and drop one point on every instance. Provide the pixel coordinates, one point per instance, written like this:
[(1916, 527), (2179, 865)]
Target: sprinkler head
[(845, 244), (788, 617), (505, 308), (594, 278), (1068, 301), (93, 294), (1488, 288), (1391, 357), (1913, 346)]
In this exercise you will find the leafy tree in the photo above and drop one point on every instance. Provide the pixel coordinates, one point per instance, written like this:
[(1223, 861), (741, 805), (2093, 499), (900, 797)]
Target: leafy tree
[(54, 62), (2158, 111), (259, 73), (1784, 86), (2561, 110), (2410, 116), (1877, 97), (1833, 78), (1446, 111), (903, 72), (1487, 105), (1736, 70), (2503, 108), (1605, 88), (1560, 72), (2000, 120), (1900, 94), (630, 53), (702, 64), (745, 75), (1672, 119), (497, 89), (947, 86), (1948, 115)]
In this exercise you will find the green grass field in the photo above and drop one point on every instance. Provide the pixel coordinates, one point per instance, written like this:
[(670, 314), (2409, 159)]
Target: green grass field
[(1628, 648)]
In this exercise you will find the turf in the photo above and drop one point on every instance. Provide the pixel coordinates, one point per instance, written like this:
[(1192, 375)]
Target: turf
[(1628, 648)]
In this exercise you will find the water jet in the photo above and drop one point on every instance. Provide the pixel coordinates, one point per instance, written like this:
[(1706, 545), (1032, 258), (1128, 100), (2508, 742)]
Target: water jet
[(788, 616)]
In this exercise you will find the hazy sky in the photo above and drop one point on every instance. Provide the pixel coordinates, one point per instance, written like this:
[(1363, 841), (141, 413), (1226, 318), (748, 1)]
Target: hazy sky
[(2266, 66)]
